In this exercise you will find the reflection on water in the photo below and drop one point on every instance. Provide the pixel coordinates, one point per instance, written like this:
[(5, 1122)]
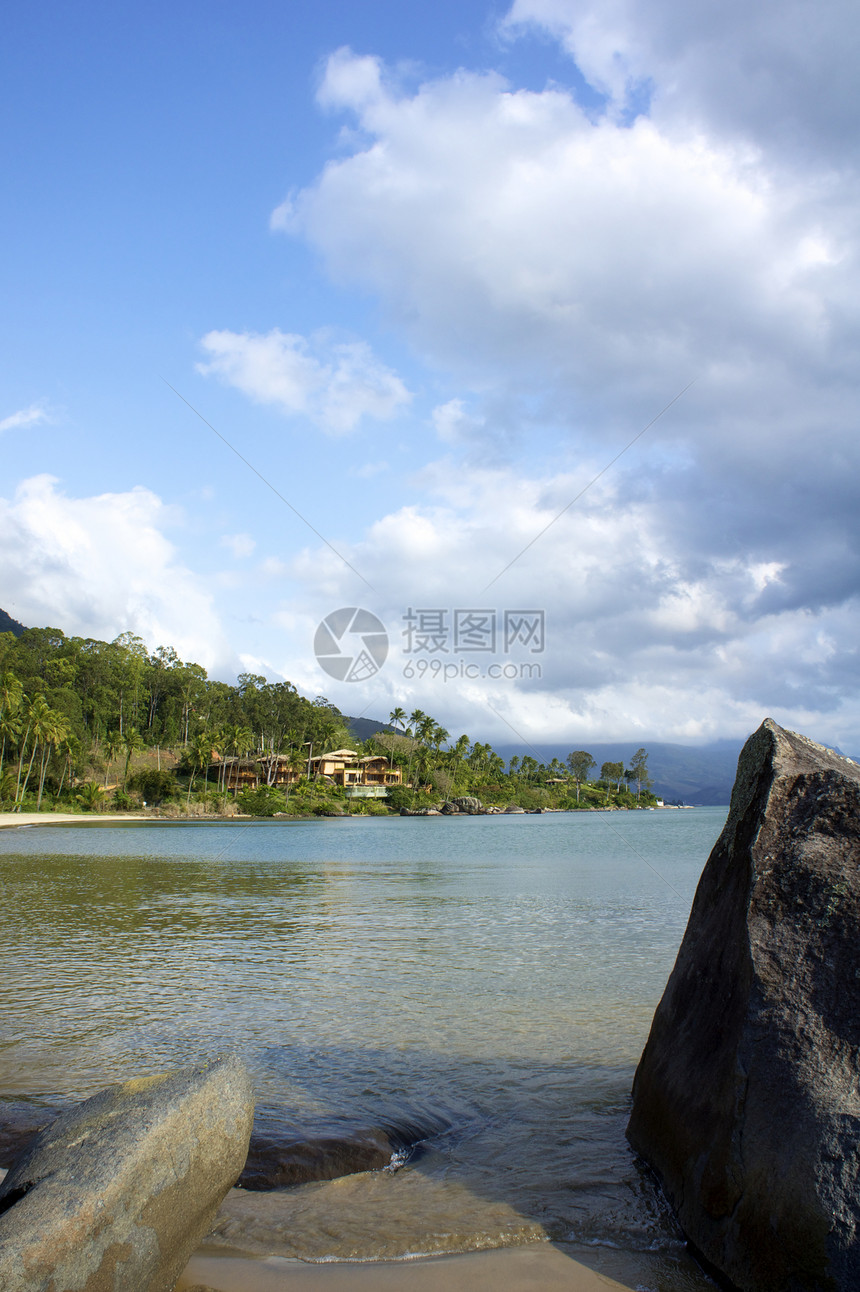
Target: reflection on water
[(485, 985)]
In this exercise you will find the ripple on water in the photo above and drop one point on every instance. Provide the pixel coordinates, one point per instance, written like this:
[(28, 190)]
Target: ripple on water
[(482, 989)]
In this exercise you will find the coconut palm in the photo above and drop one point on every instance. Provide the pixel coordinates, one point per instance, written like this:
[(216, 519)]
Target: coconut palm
[(131, 742), (10, 730), (54, 732), (11, 697), (39, 717), (397, 718), (199, 755), (89, 795)]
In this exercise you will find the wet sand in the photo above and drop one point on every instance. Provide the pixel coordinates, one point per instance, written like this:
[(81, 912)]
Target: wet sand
[(511, 1269)]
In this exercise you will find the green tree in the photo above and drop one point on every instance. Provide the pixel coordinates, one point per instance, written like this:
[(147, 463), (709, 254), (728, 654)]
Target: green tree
[(612, 772), (198, 755), (54, 732), (112, 745), (639, 771), (580, 763), (132, 741), (89, 795)]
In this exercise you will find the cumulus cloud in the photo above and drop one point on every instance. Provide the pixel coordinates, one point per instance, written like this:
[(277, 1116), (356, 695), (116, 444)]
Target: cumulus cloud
[(34, 415), (782, 74), (331, 384), (102, 565), (522, 245), (565, 269), (641, 634)]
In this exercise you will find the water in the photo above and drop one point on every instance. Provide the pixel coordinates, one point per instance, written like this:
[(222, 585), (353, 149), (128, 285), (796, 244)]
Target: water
[(483, 984)]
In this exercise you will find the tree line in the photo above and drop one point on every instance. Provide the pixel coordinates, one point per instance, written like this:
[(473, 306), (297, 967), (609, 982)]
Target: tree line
[(71, 705), (68, 702)]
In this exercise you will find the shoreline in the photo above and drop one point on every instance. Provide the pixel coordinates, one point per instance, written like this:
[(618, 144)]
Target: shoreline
[(553, 1267), (12, 819)]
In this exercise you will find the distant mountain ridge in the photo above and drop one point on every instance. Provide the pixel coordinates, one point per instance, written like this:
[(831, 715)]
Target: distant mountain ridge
[(10, 625), (701, 775)]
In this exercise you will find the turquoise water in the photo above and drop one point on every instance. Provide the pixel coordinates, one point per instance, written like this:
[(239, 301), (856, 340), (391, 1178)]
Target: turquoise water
[(485, 983)]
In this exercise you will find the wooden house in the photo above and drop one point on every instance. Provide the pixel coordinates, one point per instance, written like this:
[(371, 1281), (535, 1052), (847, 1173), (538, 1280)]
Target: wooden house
[(341, 766), (239, 774), (377, 770)]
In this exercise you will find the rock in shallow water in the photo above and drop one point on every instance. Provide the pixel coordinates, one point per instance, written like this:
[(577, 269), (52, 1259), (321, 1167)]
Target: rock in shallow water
[(118, 1191), (746, 1101)]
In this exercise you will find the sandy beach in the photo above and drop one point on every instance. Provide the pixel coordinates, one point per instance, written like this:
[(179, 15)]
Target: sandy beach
[(513, 1269), (67, 818)]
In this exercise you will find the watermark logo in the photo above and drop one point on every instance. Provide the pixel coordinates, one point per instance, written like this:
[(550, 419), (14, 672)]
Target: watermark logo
[(440, 631), (351, 644)]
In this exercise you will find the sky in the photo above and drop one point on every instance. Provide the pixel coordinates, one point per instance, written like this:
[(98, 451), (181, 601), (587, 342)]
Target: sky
[(528, 329)]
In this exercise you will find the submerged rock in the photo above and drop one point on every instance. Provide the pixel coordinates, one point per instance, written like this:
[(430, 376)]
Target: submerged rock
[(746, 1101), (276, 1162), (119, 1190), (20, 1123)]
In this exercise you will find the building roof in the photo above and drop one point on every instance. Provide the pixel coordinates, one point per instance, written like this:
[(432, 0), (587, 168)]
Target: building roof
[(335, 753)]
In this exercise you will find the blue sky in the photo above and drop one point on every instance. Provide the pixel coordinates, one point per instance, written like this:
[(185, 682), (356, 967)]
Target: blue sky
[(429, 271)]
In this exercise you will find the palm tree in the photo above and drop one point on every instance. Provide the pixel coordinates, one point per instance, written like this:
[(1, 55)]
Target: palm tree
[(54, 732), (10, 729), (71, 747), (11, 696), (199, 755), (397, 718), (89, 795), (131, 742), (113, 744), (38, 716)]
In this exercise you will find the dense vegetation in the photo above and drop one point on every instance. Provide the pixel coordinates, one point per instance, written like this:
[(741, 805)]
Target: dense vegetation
[(87, 723)]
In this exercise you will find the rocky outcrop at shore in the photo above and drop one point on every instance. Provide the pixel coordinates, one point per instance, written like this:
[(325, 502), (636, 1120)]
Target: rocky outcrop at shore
[(746, 1101), (120, 1189)]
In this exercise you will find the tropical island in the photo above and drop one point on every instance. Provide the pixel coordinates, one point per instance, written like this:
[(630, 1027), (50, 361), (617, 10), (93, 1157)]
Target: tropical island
[(95, 726)]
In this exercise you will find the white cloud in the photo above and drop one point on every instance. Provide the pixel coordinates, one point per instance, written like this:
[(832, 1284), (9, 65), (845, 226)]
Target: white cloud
[(239, 544), (35, 415), (642, 634), (331, 384), (453, 424), (102, 565), (783, 74), (530, 250)]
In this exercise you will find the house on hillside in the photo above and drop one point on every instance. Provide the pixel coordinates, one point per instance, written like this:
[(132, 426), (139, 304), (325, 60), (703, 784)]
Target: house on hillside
[(341, 767), (377, 770), (239, 773), (367, 777), (279, 770)]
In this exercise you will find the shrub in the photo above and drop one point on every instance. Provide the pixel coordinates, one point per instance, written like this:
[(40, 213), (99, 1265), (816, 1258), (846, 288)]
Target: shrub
[(263, 801), (400, 796), (154, 786), (89, 795)]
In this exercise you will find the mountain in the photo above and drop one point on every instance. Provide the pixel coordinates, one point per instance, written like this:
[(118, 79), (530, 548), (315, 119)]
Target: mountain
[(10, 625), (701, 775), (363, 728)]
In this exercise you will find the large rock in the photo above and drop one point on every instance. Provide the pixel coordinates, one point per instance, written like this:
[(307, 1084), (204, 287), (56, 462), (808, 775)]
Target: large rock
[(746, 1101), (118, 1191)]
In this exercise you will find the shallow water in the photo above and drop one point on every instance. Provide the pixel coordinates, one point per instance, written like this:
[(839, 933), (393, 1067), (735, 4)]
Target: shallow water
[(483, 984)]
